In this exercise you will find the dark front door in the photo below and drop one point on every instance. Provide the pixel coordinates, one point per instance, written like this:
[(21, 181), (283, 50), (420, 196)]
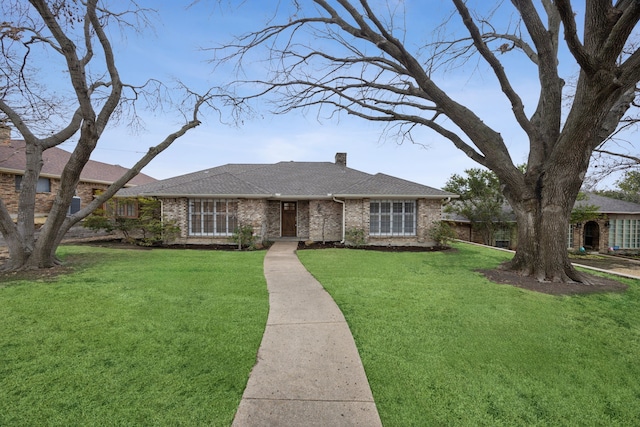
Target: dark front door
[(591, 235), (289, 215)]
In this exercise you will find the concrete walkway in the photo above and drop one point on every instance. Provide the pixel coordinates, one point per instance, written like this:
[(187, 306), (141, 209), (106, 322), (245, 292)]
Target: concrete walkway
[(308, 371)]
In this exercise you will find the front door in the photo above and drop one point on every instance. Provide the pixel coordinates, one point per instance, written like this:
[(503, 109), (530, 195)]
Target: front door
[(289, 217), (592, 235)]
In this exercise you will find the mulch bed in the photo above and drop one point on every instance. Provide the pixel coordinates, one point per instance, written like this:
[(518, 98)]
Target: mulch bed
[(380, 248), (599, 284)]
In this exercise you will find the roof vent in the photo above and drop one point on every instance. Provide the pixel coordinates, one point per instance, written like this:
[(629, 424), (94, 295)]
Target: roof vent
[(341, 159)]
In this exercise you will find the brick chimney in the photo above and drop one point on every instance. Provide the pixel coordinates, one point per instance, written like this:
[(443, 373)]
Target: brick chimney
[(341, 159), (5, 133)]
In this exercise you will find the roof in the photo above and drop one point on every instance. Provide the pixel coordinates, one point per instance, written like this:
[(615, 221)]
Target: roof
[(608, 205), (12, 160), (285, 180)]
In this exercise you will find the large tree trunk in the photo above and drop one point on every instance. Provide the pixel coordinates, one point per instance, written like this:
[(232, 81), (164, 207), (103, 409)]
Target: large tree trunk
[(542, 204), (542, 244)]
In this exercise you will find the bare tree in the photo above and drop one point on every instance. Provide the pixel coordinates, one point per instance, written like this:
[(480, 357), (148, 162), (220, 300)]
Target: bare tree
[(73, 34), (358, 62)]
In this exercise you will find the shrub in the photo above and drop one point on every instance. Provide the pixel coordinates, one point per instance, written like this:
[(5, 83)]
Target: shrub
[(442, 233), (148, 224), (355, 237), (243, 236)]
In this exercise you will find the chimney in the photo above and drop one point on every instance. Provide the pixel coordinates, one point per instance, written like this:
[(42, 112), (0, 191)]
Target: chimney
[(341, 159), (5, 133)]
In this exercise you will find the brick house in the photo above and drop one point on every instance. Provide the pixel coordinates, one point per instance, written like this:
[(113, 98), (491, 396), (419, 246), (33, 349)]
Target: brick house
[(616, 228), (95, 177), (306, 201)]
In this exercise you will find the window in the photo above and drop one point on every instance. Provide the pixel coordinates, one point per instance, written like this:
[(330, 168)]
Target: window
[(127, 208), (570, 239), (502, 237), (392, 218), (43, 186), (624, 233), (209, 217)]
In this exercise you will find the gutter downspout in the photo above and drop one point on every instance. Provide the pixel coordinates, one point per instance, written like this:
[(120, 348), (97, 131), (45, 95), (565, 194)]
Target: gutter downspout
[(344, 219), (162, 216)]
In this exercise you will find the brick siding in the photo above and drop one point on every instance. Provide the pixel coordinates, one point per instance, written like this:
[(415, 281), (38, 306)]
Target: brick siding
[(44, 201), (325, 221), (317, 220)]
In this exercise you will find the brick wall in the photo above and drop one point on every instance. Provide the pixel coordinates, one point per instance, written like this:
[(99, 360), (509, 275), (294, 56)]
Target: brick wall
[(325, 221), (44, 201), (86, 191), (254, 213), (8, 192), (318, 220), (303, 220), (357, 214), (177, 210), (273, 219), (428, 212)]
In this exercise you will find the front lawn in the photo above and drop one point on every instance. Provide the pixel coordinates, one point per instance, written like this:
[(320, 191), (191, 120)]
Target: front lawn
[(442, 345), (132, 337)]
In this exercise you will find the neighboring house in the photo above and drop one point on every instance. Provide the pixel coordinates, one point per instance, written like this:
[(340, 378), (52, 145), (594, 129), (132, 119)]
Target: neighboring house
[(616, 228), (306, 201), (95, 177), (503, 236)]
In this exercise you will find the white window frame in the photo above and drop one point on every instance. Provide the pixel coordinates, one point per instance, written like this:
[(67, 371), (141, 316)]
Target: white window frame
[(570, 237), (213, 217), (624, 233), (392, 217)]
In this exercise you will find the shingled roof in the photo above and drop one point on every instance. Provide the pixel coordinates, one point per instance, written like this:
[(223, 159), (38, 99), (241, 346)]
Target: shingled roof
[(605, 205), (608, 205), (12, 160), (315, 180)]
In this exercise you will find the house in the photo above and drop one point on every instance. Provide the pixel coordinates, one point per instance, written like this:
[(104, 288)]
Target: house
[(306, 201), (617, 227), (502, 235), (95, 177)]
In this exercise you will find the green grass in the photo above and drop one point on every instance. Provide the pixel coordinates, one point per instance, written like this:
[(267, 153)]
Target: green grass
[(132, 337), (441, 345)]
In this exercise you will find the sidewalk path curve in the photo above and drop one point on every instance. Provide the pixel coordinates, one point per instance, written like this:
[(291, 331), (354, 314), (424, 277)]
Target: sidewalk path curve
[(308, 371)]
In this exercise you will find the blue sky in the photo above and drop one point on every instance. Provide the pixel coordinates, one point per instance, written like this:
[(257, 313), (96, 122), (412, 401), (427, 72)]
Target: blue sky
[(173, 50)]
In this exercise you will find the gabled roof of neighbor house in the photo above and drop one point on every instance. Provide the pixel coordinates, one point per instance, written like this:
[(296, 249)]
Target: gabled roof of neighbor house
[(12, 160), (283, 180)]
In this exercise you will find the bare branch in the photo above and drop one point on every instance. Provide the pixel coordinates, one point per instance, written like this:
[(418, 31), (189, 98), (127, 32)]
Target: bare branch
[(571, 36), (516, 102)]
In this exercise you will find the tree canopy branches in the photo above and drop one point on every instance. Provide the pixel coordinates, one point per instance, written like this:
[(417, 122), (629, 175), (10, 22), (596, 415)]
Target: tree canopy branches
[(73, 39), (363, 65)]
